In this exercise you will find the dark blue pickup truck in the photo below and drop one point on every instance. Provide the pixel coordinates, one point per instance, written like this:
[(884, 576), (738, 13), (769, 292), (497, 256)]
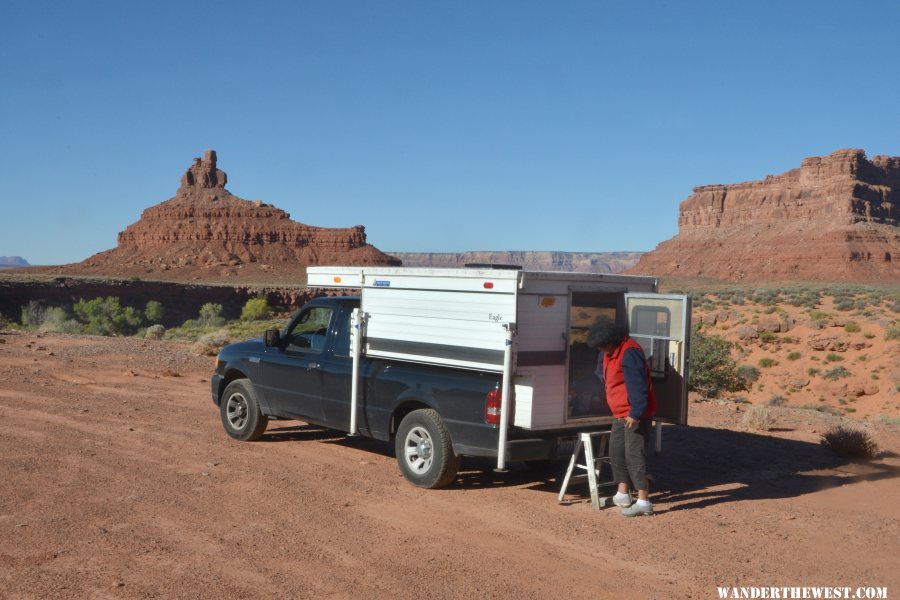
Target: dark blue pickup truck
[(432, 414)]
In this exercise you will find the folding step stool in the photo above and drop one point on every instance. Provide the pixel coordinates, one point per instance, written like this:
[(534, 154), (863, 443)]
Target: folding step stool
[(592, 465)]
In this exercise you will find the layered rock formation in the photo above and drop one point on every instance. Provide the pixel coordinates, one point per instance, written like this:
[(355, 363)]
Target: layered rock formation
[(205, 232), (836, 218), (580, 262)]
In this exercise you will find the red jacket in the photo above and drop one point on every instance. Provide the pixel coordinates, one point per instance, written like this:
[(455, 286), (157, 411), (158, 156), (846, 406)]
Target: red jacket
[(628, 390)]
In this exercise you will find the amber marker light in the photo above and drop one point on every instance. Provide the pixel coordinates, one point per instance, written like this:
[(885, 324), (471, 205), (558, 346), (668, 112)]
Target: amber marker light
[(337, 279), (548, 301)]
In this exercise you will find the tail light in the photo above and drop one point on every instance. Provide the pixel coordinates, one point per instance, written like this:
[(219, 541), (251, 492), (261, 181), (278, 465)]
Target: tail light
[(492, 404)]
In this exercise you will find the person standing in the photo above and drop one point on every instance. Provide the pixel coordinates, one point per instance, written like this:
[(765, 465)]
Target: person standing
[(630, 396)]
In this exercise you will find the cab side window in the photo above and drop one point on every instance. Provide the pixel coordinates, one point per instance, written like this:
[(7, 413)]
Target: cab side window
[(310, 329), (342, 339)]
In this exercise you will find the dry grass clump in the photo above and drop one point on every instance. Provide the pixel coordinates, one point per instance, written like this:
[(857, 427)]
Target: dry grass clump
[(155, 332), (758, 418), (850, 442), (209, 344)]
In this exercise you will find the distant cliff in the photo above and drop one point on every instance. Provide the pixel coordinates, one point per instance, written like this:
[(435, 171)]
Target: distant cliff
[(581, 262), (9, 262), (833, 219)]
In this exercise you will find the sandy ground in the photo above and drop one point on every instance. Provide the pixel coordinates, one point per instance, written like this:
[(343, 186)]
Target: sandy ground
[(118, 482), (802, 353)]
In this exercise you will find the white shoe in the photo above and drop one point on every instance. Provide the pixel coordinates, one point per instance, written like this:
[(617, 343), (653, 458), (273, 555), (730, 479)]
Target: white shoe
[(621, 499)]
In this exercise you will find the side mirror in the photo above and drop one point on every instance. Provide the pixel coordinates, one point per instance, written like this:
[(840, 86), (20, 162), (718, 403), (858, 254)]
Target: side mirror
[(273, 338)]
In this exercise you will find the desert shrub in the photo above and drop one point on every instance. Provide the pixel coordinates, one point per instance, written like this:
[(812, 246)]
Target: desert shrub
[(794, 356), (155, 332), (209, 344), (48, 319), (895, 307), (892, 332), (57, 320), (766, 363), (256, 309), (822, 408), (154, 312), (769, 310), (712, 368), (776, 400), (749, 374), (33, 314), (832, 357), (766, 337), (836, 373), (850, 442), (868, 335), (851, 327), (819, 318), (758, 418), (106, 316), (210, 315), (844, 304), (812, 371)]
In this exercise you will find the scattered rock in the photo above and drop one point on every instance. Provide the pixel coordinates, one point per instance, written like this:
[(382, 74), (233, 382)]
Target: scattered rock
[(831, 342), (747, 332)]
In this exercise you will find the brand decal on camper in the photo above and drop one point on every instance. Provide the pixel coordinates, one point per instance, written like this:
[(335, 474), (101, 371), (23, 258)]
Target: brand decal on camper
[(495, 317), (382, 283)]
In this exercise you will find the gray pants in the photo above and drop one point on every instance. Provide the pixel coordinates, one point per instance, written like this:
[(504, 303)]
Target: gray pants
[(628, 453)]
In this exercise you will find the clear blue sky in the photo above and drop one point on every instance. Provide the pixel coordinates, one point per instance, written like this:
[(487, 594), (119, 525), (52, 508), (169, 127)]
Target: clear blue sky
[(440, 126)]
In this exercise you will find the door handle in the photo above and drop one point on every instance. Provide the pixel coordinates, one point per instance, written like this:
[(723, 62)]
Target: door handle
[(312, 365)]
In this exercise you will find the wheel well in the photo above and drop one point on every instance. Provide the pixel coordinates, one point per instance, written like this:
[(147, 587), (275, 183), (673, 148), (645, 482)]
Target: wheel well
[(230, 375), (401, 411)]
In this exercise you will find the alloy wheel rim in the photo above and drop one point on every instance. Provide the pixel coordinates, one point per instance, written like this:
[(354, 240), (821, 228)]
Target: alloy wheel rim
[(419, 450), (237, 411)]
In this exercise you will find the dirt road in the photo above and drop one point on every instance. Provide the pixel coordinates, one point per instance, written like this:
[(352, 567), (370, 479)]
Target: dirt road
[(118, 482)]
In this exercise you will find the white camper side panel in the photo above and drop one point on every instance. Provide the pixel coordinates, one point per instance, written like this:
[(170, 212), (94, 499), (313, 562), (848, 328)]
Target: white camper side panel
[(539, 401), (457, 327)]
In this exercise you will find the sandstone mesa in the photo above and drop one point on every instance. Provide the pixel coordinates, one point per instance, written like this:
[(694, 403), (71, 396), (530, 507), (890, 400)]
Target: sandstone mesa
[(836, 218), (204, 230)]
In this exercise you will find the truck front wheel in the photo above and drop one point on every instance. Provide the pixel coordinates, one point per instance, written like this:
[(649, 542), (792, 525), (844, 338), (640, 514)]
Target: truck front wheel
[(424, 451), (240, 412)]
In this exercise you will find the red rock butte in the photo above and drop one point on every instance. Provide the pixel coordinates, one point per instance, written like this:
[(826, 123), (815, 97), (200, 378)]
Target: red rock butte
[(833, 219), (205, 232)]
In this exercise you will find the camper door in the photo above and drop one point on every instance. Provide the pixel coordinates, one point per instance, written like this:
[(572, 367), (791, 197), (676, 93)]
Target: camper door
[(661, 324)]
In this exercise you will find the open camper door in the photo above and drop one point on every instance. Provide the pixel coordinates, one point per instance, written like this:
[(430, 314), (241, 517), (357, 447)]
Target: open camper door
[(661, 324)]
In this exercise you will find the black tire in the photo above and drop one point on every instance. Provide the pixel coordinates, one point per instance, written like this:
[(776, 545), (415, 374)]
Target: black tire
[(424, 450), (239, 408)]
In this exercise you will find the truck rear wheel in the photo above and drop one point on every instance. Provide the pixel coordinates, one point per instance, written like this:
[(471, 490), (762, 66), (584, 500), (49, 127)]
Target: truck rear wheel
[(424, 450), (240, 412)]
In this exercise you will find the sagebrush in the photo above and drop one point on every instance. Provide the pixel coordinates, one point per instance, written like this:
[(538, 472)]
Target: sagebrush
[(850, 442)]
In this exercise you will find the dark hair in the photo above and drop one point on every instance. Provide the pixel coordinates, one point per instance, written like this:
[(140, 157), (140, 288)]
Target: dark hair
[(605, 332)]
